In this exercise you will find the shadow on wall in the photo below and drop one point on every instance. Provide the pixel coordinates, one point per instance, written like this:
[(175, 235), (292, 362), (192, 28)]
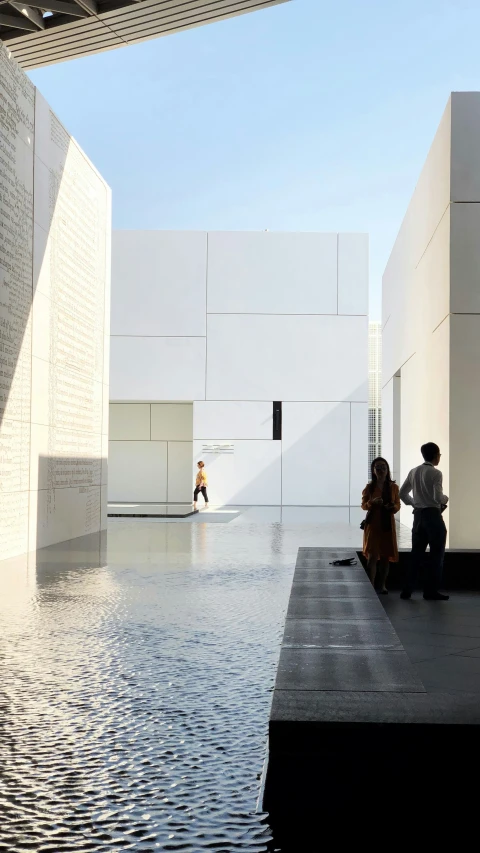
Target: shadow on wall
[(21, 259), (325, 465), (71, 501)]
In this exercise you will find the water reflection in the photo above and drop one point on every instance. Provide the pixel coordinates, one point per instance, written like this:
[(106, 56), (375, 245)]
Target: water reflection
[(136, 693)]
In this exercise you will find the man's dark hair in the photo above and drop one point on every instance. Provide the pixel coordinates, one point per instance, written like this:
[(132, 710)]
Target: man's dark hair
[(429, 451)]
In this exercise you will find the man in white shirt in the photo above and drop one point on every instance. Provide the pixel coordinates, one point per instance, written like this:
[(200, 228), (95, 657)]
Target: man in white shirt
[(428, 501)]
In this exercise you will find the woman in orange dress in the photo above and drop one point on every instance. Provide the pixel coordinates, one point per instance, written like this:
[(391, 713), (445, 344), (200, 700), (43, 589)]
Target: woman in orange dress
[(381, 499)]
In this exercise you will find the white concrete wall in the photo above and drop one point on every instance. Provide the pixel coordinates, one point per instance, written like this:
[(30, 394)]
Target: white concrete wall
[(430, 318), (54, 326), (150, 452), (266, 316)]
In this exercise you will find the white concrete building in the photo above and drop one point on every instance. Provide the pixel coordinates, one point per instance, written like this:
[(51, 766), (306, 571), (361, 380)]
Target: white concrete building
[(431, 320), (55, 215), (208, 332)]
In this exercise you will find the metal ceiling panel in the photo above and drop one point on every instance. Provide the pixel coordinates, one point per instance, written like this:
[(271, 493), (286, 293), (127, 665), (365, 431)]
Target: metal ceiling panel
[(59, 30)]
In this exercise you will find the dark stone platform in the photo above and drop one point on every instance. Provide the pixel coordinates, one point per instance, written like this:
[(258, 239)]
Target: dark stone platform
[(461, 569), (345, 634), (350, 716), (150, 510), (346, 669)]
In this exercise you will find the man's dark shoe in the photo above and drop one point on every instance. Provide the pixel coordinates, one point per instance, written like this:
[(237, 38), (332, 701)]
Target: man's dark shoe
[(405, 595), (435, 596)]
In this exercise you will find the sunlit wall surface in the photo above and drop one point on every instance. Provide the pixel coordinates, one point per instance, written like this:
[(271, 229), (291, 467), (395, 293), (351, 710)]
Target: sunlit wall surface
[(54, 325), (431, 320)]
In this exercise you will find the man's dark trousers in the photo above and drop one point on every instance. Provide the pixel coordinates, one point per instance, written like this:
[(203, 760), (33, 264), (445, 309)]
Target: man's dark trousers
[(428, 529)]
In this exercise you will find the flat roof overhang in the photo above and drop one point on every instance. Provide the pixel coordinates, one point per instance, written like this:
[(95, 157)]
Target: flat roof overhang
[(44, 32)]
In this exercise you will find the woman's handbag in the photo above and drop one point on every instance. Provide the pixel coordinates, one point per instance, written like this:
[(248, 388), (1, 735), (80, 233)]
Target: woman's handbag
[(366, 521)]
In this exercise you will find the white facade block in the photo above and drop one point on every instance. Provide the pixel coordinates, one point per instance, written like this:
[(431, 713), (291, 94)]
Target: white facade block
[(272, 273), (52, 412), (129, 422), (137, 471), (284, 319), (232, 420), (286, 358), (352, 274), (157, 369), (316, 457), (431, 306), (172, 422), (251, 475), (159, 283)]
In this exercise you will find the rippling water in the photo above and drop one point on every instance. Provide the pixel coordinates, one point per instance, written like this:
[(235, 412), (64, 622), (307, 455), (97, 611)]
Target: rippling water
[(135, 695)]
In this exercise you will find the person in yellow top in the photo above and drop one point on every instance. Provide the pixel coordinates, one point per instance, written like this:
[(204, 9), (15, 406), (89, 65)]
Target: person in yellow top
[(201, 484)]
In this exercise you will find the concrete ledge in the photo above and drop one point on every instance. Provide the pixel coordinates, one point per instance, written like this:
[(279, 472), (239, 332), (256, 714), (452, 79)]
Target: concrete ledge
[(461, 569), (310, 710), (351, 722)]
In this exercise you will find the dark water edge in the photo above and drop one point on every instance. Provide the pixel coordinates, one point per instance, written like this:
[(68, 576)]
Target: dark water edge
[(134, 699)]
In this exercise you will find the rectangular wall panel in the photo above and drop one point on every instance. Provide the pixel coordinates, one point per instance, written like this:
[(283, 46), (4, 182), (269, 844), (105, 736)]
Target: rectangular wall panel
[(232, 420), (316, 454), (353, 274), (137, 471), (172, 422), (159, 283), (166, 431), (180, 479), (465, 258), (129, 422), (251, 475), (157, 368), (358, 451), (465, 147), (388, 428), (286, 358), (258, 272), (462, 488)]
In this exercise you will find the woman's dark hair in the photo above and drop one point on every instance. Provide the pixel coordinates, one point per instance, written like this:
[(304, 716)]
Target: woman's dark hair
[(201, 464), (430, 451), (387, 491)]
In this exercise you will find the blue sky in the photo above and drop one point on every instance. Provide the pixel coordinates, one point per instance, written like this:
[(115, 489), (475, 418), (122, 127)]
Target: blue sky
[(307, 116)]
